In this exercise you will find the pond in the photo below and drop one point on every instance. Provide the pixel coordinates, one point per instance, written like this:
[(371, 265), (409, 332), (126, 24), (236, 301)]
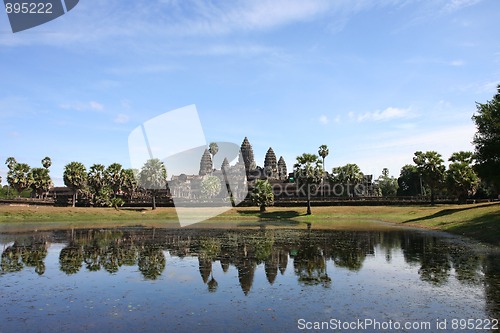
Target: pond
[(139, 279)]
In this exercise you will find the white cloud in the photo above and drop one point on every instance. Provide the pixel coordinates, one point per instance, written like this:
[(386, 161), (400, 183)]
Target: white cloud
[(457, 63), (166, 21), (147, 69), (121, 118), (227, 17), (83, 106), (324, 119), (96, 106), (419, 60), (387, 114), (454, 5)]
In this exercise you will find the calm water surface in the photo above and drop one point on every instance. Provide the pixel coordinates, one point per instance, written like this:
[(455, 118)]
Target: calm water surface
[(184, 280)]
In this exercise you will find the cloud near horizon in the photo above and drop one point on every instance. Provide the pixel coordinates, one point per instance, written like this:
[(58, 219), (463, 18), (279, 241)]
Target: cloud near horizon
[(83, 106), (387, 114)]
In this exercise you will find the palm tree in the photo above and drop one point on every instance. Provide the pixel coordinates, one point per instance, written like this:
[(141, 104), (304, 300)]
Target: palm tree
[(96, 183), (113, 177), (262, 194), (431, 168), (348, 174), (41, 181), (153, 177), (129, 184), (460, 176), (19, 176), (75, 177), (323, 152), (96, 177), (308, 170)]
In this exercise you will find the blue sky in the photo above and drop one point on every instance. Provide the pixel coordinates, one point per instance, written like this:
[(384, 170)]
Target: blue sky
[(374, 80)]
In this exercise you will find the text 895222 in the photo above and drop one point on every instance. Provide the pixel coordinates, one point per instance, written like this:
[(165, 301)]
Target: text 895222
[(28, 8)]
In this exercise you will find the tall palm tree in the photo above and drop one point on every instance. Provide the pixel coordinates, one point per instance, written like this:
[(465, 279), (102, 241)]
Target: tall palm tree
[(129, 184), (153, 177), (41, 181), (20, 177), (323, 152), (431, 168), (97, 182), (113, 177), (308, 171), (75, 177), (96, 177)]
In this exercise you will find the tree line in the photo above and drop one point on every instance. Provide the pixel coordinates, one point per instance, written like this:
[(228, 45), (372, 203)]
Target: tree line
[(102, 186), (105, 186)]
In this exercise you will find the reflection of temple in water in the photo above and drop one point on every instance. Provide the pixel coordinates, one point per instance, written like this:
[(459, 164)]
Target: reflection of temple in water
[(250, 252)]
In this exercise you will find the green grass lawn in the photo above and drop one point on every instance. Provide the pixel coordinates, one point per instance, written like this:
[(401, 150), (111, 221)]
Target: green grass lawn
[(479, 221)]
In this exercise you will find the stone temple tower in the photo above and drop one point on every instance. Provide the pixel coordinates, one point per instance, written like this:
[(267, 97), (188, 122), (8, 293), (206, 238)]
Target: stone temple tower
[(248, 158), (282, 172), (270, 164), (206, 165)]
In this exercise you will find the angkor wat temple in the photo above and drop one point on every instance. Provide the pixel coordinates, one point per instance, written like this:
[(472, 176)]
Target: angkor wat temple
[(190, 186), (274, 170)]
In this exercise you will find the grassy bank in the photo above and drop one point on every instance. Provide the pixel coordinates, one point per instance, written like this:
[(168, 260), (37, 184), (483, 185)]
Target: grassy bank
[(479, 221)]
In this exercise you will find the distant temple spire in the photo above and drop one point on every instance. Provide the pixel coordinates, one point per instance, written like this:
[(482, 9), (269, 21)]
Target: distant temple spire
[(247, 153), (282, 172), (270, 164), (206, 165), (225, 164)]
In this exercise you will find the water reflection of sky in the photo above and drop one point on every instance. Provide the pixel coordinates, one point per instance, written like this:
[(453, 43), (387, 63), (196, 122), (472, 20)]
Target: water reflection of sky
[(383, 276)]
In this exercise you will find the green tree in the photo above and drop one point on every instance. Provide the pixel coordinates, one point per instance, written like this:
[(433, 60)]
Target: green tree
[(349, 175), (323, 151), (129, 181), (487, 140), (41, 181), (262, 194), (308, 171), (114, 177), (409, 183), (19, 177), (388, 185), (96, 179), (210, 186), (41, 178), (430, 167), (461, 178), (75, 177), (153, 177)]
